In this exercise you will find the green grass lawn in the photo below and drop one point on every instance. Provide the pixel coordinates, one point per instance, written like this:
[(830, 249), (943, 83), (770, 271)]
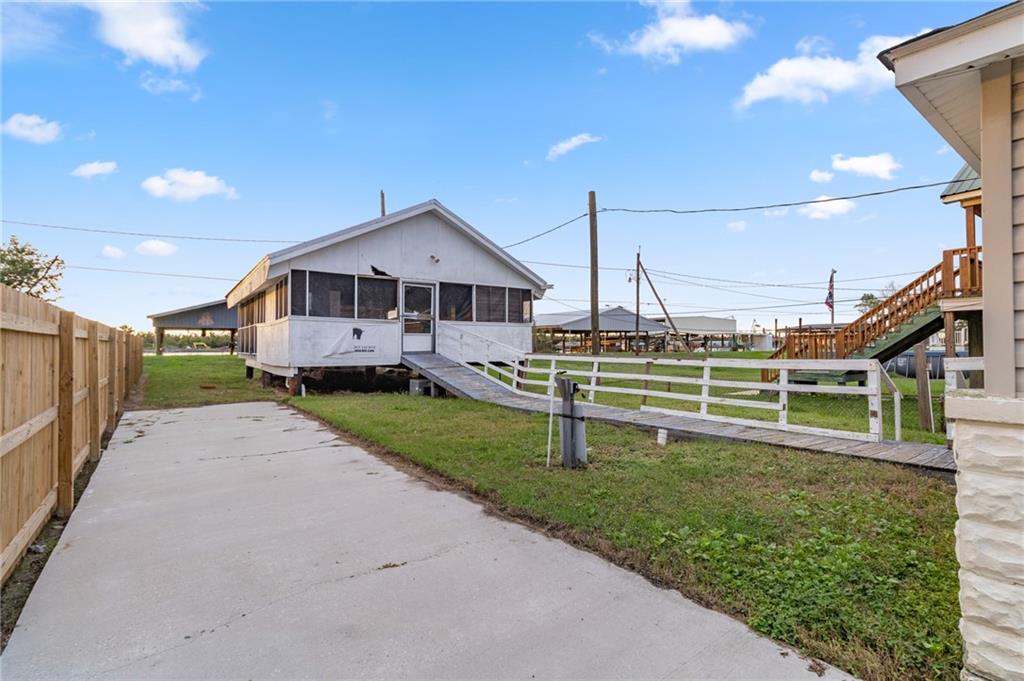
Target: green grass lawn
[(197, 380), (849, 560)]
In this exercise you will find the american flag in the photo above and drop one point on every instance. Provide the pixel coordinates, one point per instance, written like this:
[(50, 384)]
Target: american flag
[(830, 298)]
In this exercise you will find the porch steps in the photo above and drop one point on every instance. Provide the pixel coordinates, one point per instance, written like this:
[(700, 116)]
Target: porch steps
[(903, 337), (466, 382)]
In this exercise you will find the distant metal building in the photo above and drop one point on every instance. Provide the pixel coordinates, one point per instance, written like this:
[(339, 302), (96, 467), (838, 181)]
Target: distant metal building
[(570, 331), (212, 316)]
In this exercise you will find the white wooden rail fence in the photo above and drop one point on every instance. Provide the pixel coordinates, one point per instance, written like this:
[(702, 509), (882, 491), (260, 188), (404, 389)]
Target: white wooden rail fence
[(511, 368)]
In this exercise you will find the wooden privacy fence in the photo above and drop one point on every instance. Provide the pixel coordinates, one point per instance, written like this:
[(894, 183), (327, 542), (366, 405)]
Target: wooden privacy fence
[(64, 381), (741, 391)]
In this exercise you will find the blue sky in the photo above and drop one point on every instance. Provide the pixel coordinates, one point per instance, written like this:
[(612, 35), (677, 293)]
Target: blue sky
[(283, 121)]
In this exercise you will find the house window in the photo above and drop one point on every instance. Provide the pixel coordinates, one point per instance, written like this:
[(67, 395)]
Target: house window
[(455, 302), (490, 303), (299, 292), (331, 295), (520, 305), (378, 298), (281, 299)]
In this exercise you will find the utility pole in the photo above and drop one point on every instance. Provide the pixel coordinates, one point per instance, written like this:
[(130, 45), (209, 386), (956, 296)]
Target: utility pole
[(636, 336), (595, 325), (650, 283), (382, 211)]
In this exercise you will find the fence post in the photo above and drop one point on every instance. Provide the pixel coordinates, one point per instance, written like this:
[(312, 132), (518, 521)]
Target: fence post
[(93, 378), (111, 379), (593, 379), (647, 382), (783, 396), (875, 402), (65, 413), (705, 389), (119, 364)]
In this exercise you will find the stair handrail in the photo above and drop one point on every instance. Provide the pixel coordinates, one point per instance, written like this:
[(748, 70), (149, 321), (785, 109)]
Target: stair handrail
[(896, 309), (449, 329)]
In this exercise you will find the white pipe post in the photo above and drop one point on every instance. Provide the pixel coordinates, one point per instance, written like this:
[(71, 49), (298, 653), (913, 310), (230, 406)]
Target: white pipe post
[(551, 409)]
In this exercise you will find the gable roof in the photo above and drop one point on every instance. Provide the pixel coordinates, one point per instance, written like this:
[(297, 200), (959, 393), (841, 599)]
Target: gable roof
[(615, 318), (429, 206), (432, 205)]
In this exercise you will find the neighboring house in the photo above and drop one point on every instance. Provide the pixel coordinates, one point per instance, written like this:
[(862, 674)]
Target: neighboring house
[(364, 296), (968, 83), (570, 331), (212, 316)]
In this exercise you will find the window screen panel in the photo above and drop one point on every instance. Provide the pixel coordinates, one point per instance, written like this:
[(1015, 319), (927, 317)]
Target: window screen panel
[(299, 292), (378, 298), (331, 295), (490, 303), (520, 305), (455, 302)]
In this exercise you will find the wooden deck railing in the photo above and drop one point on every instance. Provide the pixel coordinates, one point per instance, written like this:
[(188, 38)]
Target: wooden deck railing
[(961, 272), (64, 383)]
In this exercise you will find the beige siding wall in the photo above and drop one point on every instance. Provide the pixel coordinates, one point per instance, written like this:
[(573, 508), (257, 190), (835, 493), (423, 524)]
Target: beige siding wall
[(1017, 212)]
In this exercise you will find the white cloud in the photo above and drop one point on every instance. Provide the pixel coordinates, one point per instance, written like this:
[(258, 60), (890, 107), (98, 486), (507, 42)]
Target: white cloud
[(814, 44), (148, 31), (32, 128), (815, 76), (677, 29), (27, 28), (155, 247), (94, 168), (87, 137), (159, 85), (112, 252), (737, 226), (881, 166), (565, 146), (179, 184), (943, 150), (821, 175), (826, 210), (777, 212)]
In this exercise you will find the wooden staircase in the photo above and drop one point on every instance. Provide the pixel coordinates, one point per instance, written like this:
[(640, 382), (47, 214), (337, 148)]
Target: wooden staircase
[(905, 318)]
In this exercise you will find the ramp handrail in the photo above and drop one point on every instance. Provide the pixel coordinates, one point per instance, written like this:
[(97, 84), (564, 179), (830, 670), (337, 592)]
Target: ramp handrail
[(876, 380)]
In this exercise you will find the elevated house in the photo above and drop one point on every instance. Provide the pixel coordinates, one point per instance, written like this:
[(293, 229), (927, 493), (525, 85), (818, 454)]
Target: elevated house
[(417, 280)]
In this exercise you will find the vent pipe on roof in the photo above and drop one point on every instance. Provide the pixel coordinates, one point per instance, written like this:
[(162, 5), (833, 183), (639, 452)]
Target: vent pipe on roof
[(382, 211)]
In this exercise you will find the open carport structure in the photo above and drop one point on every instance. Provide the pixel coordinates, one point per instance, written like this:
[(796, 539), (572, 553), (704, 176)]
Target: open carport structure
[(212, 316)]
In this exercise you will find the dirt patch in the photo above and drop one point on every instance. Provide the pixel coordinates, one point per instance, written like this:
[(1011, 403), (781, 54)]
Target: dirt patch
[(19, 585)]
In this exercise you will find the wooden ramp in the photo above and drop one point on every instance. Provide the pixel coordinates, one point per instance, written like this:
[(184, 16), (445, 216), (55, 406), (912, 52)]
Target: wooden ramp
[(466, 382)]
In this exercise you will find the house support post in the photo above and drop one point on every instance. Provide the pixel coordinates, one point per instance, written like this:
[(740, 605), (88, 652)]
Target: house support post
[(249, 372), (294, 384), (949, 333), (975, 348), (159, 341)]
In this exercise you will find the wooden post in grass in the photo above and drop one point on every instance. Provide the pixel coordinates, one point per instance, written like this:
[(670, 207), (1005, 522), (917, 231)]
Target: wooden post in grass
[(65, 413), (924, 392)]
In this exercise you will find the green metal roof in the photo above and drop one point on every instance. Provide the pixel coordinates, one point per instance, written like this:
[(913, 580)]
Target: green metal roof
[(966, 180)]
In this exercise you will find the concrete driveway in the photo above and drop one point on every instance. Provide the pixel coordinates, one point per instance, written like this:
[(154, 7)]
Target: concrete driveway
[(248, 542)]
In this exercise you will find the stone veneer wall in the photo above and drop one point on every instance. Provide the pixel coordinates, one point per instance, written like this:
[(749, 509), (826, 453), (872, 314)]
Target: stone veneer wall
[(989, 450)]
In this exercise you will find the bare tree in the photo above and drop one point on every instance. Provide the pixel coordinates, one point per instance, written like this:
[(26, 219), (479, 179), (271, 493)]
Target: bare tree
[(25, 269)]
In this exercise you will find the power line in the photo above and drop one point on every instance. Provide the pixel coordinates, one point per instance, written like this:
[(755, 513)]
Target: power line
[(153, 274), (738, 209), (734, 281), (767, 206), (548, 231), (98, 230)]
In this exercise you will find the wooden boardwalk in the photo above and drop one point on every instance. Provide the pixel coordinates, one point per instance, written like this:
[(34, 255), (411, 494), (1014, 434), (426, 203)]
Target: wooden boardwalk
[(465, 382)]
